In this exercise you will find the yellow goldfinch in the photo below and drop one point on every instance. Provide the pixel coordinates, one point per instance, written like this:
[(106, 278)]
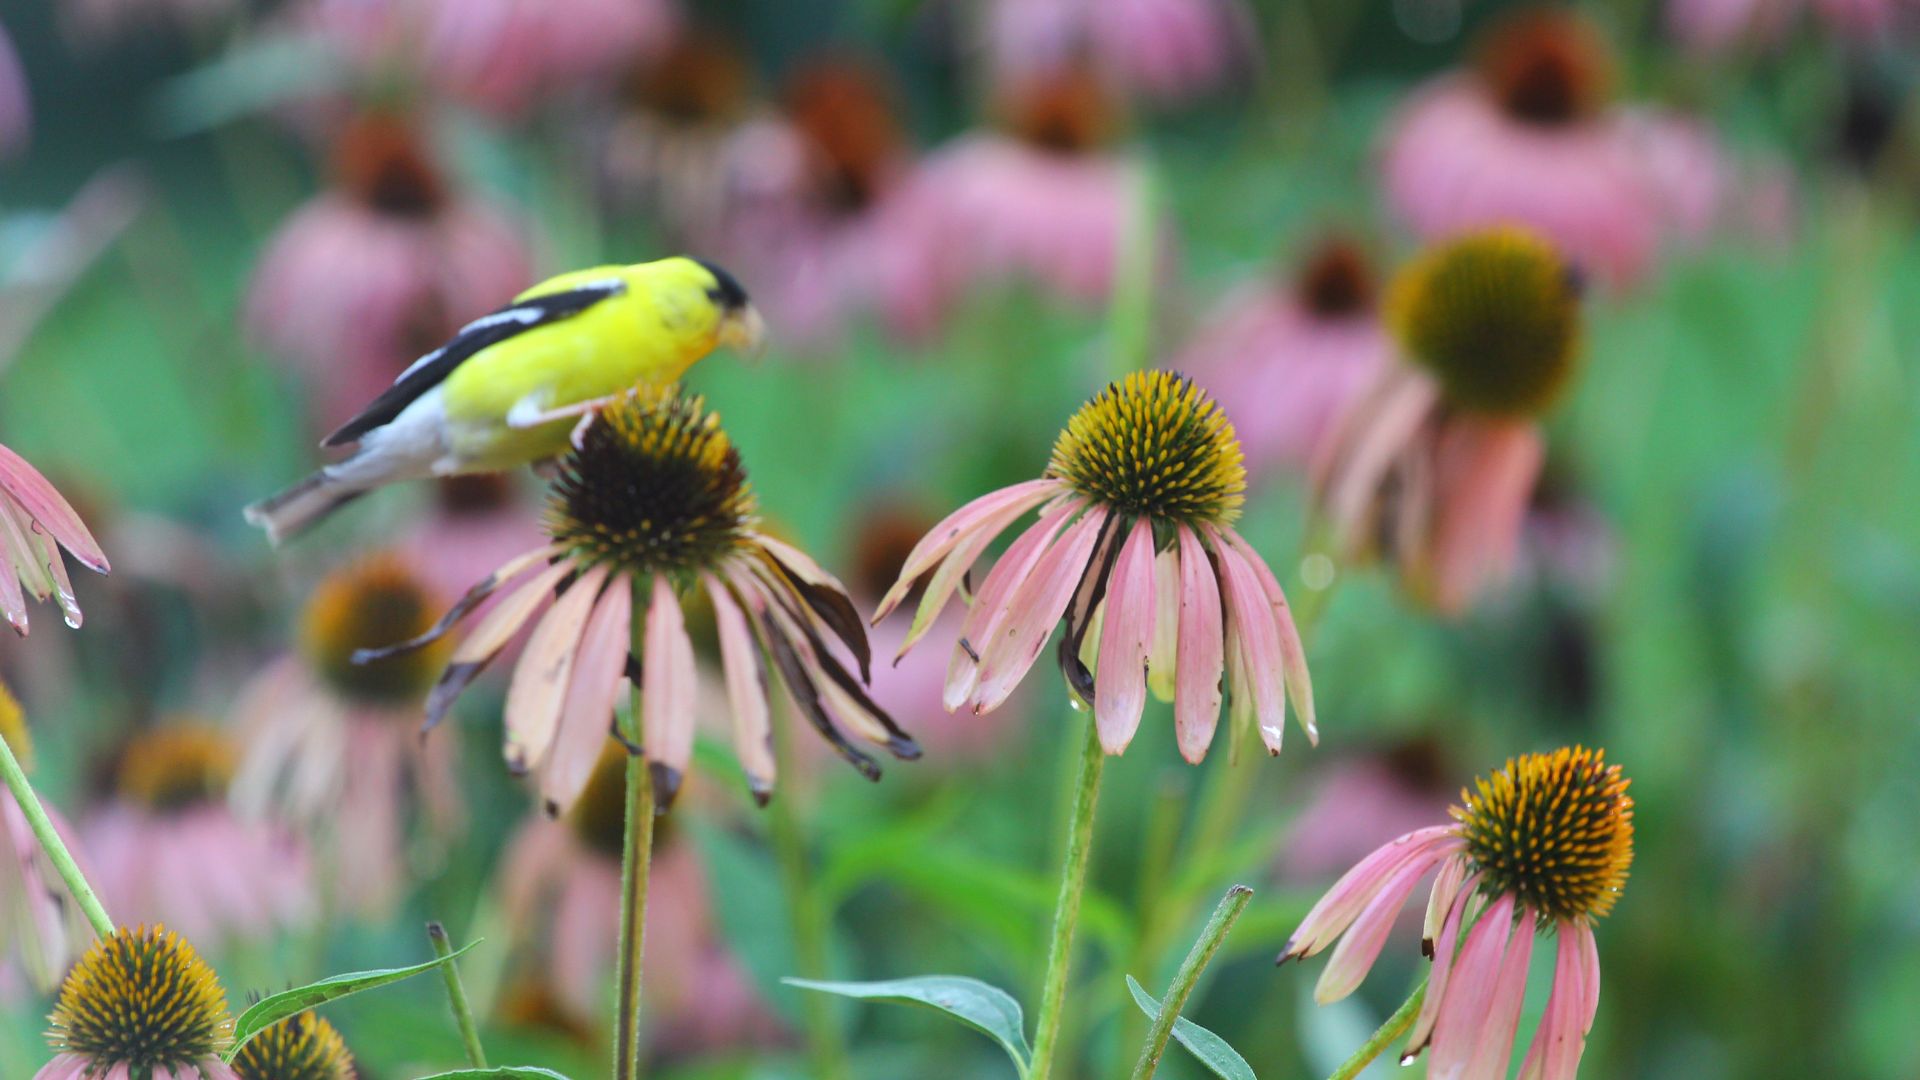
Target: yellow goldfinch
[(510, 386)]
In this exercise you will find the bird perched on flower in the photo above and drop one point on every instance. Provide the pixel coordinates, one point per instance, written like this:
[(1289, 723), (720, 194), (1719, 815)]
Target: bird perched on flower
[(507, 389)]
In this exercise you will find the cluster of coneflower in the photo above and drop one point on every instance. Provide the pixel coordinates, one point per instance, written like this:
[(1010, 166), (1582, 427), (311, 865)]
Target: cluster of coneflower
[(1126, 544)]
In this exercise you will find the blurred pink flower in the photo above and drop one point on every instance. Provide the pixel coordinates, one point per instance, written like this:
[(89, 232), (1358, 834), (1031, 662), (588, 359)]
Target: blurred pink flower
[(1163, 50), (559, 886), (380, 268), (1357, 800), (476, 522), (1289, 357), (1529, 137), (690, 146), (1150, 456), (335, 749), (167, 848), (500, 56), (1434, 465), (35, 523), (16, 110), (1541, 847), (1044, 202), (1723, 25), (39, 922), (831, 239), (94, 22)]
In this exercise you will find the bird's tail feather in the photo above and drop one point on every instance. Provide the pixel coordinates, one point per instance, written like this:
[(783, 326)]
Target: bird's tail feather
[(305, 504)]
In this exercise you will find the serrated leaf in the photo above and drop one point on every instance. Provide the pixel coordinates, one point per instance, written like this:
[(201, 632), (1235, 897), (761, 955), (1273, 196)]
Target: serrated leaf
[(982, 1006), (1212, 1050), (504, 1072), (274, 1008)]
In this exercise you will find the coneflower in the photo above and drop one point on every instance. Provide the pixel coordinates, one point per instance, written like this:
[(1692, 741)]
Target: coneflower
[(38, 921), (1434, 463), (333, 747), (1539, 848), (653, 504), (140, 1003)]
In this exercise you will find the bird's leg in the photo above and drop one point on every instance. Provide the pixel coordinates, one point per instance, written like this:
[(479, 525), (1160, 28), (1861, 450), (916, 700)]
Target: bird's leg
[(526, 414)]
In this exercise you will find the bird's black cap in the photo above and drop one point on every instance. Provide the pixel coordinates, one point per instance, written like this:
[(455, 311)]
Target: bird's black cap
[(726, 289)]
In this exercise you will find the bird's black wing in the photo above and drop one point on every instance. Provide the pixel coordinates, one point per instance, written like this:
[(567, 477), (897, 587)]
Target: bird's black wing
[(432, 369)]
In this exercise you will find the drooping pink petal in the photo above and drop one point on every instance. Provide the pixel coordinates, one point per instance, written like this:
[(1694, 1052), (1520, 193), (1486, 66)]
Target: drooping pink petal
[(990, 604), (539, 685), (1357, 887), (1442, 975), (1163, 657), (45, 505), (13, 601), (1493, 1045), (1032, 612), (1360, 946), (1196, 707), (1364, 445), (62, 584), (669, 682), (978, 514), (1120, 678), (1293, 655), (1557, 1045), (1252, 617), (1446, 886), (593, 690), (1487, 471), (1470, 991), (746, 689)]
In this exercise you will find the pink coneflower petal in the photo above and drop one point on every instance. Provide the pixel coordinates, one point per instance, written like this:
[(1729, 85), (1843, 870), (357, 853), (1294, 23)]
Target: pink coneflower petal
[(1196, 707), (1357, 887), (1163, 655), (1360, 946), (24, 484), (746, 689), (1293, 654), (1377, 428), (1033, 611), (668, 685), (1470, 991), (1446, 887), (1120, 680), (958, 525), (953, 568), (1487, 470), (63, 1067), (1561, 1038), (1253, 620), (539, 686), (594, 688), (1443, 963), (1493, 1045), (990, 604)]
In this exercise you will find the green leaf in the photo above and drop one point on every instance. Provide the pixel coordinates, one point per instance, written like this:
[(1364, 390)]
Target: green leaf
[(982, 1006), (269, 1011), (1211, 1049), (504, 1072)]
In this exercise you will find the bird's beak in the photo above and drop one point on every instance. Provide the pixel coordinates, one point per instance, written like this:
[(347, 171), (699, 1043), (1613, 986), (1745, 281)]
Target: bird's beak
[(744, 331)]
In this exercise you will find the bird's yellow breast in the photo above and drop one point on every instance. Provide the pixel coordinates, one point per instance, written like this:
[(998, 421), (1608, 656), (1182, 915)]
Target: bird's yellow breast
[(646, 334)]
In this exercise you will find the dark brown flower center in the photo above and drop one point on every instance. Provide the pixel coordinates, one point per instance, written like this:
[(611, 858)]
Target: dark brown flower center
[(1070, 111), (372, 604), (381, 161), (141, 1001), (1549, 67), (845, 110), (174, 768), (1553, 830), (1337, 280), (886, 537), (701, 80), (473, 494)]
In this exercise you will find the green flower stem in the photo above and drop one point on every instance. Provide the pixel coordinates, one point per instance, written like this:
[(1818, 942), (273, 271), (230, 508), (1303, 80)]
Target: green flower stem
[(50, 842), (1394, 1027), (1231, 905), (1066, 910), (809, 922), (457, 996), (636, 863)]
